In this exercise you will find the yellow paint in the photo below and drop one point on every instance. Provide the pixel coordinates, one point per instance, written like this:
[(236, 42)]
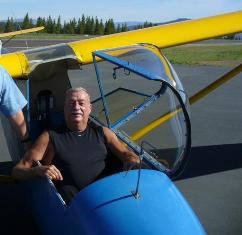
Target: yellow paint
[(161, 36), (167, 68), (164, 35), (24, 31), (16, 64)]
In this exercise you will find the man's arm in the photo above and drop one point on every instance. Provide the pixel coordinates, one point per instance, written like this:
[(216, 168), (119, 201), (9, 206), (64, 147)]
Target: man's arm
[(43, 150), (19, 124), (128, 158), (12, 102)]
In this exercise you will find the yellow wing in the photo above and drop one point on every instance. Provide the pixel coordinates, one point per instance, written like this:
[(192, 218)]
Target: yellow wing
[(165, 35), (19, 65), (24, 31)]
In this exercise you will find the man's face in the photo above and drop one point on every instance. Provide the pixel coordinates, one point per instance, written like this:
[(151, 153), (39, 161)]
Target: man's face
[(77, 107)]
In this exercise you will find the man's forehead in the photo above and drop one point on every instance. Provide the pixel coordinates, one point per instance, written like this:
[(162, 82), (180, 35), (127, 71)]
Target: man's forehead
[(81, 95)]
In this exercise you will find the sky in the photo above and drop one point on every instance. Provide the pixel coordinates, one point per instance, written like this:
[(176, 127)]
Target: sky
[(120, 11)]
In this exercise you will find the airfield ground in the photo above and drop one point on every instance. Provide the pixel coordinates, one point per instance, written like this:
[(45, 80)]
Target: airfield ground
[(211, 182), (215, 166)]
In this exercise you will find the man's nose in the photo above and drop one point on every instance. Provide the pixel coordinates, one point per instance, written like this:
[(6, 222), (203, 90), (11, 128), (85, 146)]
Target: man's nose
[(76, 105)]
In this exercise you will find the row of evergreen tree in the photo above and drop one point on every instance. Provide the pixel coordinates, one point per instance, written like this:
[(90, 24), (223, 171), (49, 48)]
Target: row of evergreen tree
[(84, 25)]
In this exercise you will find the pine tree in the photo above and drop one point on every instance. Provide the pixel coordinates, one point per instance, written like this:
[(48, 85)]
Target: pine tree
[(73, 26), (83, 24), (27, 22), (118, 30), (112, 26), (106, 31), (147, 24), (53, 26), (92, 26), (2, 26), (58, 26), (9, 27), (16, 26), (64, 27), (124, 27), (109, 27), (101, 28), (41, 22), (70, 27), (96, 30), (88, 26), (80, 27), (49, 25), (31, 24), (67, 28), (139, 26)]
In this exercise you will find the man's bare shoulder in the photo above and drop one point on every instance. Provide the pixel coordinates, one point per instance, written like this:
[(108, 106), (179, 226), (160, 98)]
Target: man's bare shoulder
[(109, 134), (41, 144), (43, 138), (108, 130)]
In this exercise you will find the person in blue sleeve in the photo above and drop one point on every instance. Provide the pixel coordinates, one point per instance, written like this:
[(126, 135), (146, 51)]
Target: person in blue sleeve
[(12, 102)]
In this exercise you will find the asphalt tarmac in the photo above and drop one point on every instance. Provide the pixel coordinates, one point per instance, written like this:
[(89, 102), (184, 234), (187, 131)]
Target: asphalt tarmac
[(211, 181)]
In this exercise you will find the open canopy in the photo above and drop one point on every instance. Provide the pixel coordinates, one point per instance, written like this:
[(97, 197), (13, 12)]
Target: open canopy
[(143, 102)]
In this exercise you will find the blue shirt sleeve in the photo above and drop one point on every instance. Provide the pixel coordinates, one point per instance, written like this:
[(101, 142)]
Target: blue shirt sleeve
[(12, 100)]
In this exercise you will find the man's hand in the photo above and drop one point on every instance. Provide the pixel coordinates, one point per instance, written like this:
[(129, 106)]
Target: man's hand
[(48, 171), (131, 163)]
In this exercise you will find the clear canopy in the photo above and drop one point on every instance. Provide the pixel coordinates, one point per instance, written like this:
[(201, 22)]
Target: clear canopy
[(42, 55), (143, 101)]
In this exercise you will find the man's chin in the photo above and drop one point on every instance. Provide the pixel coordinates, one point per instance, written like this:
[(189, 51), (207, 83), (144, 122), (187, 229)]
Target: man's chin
[(77, 119)]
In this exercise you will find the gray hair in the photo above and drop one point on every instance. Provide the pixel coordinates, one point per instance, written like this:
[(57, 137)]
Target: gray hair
[(78, 89)]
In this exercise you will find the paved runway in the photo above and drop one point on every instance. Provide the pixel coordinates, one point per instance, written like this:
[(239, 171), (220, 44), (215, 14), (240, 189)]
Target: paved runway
[(212, 179), (216, 157)]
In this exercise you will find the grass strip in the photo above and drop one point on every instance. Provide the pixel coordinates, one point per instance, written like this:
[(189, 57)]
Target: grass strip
[(204, 54)]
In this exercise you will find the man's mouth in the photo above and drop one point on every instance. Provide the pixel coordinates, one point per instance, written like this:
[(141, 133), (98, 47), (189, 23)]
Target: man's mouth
[(76, 114)]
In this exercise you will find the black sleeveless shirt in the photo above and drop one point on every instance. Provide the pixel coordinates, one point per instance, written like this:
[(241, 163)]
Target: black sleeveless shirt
[(80, 156)]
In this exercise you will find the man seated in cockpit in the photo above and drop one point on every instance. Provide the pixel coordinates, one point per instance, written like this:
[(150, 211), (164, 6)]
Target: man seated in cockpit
[(74, 156)]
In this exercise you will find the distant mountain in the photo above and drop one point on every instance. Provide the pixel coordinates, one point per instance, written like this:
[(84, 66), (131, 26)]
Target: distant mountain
[(173, 21), (132, 24), (129, 23)]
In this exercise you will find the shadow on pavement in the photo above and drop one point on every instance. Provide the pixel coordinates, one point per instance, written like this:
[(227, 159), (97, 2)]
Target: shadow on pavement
[(211, 159)]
